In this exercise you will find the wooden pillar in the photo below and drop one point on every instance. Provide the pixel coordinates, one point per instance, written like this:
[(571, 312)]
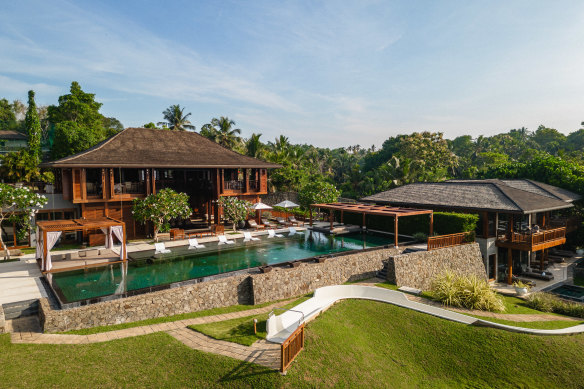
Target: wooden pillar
[(431, 224), (153, 181), (364, 226), (246, 181), (310, 211), (543, 220), (395, 231), (124, 248), (485, 225), (342, 217), (541, 260), (331, 218), (510, 266)]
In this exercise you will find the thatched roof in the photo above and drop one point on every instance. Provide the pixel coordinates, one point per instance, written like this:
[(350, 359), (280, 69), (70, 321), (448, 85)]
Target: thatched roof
[(12, 135), (144, 147), (508, 196)]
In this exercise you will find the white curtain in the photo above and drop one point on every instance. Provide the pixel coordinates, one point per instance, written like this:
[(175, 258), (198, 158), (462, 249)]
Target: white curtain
[(118, 231), (52, 238), (109, 239), (122, 286)]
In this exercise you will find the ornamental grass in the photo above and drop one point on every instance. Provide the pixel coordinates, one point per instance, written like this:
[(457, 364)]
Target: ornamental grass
[(466, 291)]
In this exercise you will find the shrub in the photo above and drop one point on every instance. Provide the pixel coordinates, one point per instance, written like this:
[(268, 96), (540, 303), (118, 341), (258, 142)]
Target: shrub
[(452, 223), (547, 302), (466, 292), (420, 237)]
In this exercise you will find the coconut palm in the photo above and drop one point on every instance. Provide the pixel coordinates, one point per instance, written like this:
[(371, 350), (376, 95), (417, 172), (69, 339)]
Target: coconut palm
[(221, 131), (253, 146), (176, 119)]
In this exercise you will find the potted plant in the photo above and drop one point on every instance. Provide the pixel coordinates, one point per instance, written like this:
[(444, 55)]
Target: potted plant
[(580, 251), (521, 288)]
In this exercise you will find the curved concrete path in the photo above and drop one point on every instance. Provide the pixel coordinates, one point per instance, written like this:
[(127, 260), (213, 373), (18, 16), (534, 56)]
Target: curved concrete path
[(281, 326)]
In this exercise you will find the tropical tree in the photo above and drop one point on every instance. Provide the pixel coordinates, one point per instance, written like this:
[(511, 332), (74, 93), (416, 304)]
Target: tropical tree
[(317, 192), (235, 210), (221, 131), (33, 128), (160, 208), (254, 147), (176, 119), (18, 205), (21, 166)]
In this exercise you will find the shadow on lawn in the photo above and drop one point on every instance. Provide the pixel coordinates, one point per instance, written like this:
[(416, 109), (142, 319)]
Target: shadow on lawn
[(245, 370)]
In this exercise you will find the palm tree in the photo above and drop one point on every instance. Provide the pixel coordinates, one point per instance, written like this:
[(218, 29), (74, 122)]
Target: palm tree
[(253, 146), (221, 131), (176, 119)]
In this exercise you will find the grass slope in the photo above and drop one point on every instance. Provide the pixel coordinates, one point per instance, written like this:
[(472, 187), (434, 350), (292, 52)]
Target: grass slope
[(356, 343)]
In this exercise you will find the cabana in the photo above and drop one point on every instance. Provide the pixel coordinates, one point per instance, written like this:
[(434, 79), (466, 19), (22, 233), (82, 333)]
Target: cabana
[(370, 209), (49, 231)]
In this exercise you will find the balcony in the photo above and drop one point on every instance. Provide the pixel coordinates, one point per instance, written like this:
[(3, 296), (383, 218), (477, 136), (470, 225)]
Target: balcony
[(526, 241)]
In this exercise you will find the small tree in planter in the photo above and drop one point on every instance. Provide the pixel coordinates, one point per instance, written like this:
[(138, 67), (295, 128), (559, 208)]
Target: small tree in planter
[(235, 210), (160, 208), (18, 205), (317, 192)]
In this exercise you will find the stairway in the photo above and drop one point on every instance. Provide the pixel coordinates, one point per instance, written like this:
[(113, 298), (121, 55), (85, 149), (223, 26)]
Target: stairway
[(383, 272), (21, 308)]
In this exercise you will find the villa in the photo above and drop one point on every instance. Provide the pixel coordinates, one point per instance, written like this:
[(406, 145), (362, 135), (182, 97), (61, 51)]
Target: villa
[(519, 219), (104, 180)]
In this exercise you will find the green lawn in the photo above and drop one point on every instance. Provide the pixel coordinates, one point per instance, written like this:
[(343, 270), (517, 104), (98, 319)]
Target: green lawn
[(166, 319), (540, 325), (241, 330), (356, 343)]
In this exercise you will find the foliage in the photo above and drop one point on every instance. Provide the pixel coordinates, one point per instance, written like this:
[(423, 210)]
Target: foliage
[(521, 285), (21, 166), (420, 236), (235, 210), (221, 131), (18, 205), (77, 121), (317, 192), (150, 125), (33, 128), (254, 147), (452, 222), (465, 291), (160, 208), (547, 302), (175, 119)]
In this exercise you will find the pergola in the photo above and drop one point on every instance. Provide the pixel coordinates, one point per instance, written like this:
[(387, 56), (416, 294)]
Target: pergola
[(370, 209), (49, 231)]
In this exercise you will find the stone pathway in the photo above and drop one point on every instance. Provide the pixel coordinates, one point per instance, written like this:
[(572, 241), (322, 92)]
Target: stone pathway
[(27, 330)]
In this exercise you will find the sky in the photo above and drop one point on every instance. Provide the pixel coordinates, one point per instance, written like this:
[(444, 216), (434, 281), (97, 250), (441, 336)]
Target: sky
[(331, 73)]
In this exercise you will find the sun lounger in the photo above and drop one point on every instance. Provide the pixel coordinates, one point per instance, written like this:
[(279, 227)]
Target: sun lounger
[(268, 223), (223, 240), (292, 231), (160, 249), (252, 223), (272, 234), (281, 221), (193, 244), (247, 237), (295, 222)]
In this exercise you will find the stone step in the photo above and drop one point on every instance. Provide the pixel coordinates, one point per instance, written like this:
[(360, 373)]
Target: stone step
[(20, 309)]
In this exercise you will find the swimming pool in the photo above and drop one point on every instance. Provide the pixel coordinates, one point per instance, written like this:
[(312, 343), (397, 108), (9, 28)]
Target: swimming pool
[(150, 274), (570, 292)]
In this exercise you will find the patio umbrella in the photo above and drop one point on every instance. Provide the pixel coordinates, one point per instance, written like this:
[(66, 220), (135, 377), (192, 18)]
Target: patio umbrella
[(287, 204), (259, 207)]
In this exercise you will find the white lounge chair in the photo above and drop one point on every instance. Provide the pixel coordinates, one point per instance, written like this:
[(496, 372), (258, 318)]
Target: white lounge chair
[(160, 249), (292, 231), (193, 244), (223, 240), (272, 234), (247, 237)]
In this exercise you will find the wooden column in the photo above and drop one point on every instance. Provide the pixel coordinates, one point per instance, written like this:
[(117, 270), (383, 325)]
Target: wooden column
[(510, 266), (44, 259), (431, 224), (395, 232), (124, 247), (541, 260), (153, 182), (342, 217), (331, 218), (364, 226), (310, 211), (485, 225)]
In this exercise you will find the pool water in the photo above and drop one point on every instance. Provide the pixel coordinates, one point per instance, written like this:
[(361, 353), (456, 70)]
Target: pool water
[(571, 292), (78, 285)]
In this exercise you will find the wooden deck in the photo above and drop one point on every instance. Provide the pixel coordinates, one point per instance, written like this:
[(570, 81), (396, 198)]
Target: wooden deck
[(534, 242)]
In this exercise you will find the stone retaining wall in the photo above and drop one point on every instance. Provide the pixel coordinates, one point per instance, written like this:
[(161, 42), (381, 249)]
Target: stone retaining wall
[(196, 297), (2, 320), (282, 283), (417, 270), (278, 197), (278, 284)]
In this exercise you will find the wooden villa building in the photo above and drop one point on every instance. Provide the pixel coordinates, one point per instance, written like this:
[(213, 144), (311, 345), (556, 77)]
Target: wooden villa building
[(104, 180), (509, 212)]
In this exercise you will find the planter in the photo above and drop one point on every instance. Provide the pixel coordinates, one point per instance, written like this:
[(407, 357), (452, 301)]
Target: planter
[(521, 291), (580, 251)]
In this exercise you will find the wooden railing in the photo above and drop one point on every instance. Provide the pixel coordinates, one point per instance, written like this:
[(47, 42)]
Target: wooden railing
[(441, 241), (292, 347), (538, 237), (234, 185)]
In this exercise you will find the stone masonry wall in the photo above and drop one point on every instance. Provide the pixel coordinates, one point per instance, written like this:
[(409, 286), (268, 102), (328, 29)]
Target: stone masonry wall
[(417, 270), (278, 197), (282, 283), (278, 284), (196, 297)]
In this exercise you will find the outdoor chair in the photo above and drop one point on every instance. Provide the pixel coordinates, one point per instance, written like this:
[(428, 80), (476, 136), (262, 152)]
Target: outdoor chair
[(252, 223), (193, 244), (160, 248), (281, 221), (268, 223), (247, 237), (223, 240), (292, 231), (272, 234), (295, 222)]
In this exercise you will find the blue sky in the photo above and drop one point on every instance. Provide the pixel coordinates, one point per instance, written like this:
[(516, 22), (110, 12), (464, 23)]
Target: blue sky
[(332, 73)]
